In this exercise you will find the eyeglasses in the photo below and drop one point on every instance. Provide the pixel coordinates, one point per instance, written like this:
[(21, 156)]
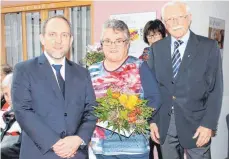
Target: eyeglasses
[(177, 18), (154, 36), (116, 42)]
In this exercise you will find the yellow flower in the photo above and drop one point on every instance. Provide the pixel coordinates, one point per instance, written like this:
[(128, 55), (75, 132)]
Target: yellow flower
[(132, 102), (123, 99), (133, 99), (129, 105)]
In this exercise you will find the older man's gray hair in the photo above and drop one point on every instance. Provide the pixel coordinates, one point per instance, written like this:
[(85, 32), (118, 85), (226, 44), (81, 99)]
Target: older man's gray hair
[(116, 25), (7, 81), (188, 10), (44, 24)]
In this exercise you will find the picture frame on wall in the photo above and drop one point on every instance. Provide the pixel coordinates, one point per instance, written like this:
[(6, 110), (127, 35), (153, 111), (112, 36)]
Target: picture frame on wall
[(216, 32), (136, 23)]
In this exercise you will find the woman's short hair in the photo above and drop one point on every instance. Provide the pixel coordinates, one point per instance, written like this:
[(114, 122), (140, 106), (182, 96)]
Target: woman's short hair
[(153, 26), (6, 69), (116, 25)]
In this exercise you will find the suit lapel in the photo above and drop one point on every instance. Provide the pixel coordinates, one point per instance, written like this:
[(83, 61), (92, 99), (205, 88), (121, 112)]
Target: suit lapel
[(168, 60), (69, 81), (189, 54), (49, 75)]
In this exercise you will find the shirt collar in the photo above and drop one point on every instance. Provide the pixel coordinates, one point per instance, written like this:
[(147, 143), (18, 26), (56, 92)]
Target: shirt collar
[(184, 38), (51, 61)]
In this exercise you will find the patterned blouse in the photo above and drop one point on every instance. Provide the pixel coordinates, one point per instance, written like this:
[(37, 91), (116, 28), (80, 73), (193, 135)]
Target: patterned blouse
[(136, 75)]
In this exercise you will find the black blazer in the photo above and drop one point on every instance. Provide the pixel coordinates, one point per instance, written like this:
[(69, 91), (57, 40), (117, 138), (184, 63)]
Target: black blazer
[(196, 92)]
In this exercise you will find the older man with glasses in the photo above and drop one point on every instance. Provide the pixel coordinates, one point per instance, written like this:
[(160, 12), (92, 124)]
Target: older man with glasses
[(188, 69)]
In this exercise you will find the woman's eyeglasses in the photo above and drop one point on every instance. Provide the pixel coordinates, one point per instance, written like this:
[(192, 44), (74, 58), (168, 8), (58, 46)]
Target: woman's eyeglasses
[(116, 42), (153, 36)]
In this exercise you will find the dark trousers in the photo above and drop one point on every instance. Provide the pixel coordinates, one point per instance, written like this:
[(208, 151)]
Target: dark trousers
[(171, 149), (152, 145)]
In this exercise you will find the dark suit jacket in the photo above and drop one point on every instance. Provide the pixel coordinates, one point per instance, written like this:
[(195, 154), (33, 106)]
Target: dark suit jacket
[(42, 112), (196, 93)]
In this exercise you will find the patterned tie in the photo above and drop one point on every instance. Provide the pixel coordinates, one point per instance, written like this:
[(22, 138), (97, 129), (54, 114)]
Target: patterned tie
[(59, 77), (176, 57)]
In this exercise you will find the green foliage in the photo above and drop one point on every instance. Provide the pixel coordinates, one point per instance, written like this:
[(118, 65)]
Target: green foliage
[(93, 57)]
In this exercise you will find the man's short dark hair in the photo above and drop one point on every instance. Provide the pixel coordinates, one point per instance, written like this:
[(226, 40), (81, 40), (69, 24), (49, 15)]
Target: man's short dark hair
[(153, 26), (43, 28)]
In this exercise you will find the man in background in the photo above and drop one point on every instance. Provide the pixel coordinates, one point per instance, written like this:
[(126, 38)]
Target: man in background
[(10, 129), (5, 70)]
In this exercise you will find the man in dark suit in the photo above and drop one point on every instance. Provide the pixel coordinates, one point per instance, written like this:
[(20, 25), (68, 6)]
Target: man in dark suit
[(189, 73), (53, 99), (10, 130)]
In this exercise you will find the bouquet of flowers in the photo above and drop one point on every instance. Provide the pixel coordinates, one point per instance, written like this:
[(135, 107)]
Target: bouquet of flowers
[(124, 113), (94, 54)]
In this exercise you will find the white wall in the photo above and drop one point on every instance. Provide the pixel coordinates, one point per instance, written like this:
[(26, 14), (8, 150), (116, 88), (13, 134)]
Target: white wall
[(201, 11)]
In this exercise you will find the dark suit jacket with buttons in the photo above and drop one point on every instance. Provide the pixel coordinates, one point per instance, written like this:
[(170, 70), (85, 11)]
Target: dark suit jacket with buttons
[(43, 113), (196, 92)]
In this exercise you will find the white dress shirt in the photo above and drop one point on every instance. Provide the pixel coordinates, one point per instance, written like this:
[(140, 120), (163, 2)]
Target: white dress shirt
[(182, 47), (51, 62)]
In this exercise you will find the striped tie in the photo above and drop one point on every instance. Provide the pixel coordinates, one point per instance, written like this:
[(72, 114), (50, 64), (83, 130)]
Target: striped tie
[(176, 57)]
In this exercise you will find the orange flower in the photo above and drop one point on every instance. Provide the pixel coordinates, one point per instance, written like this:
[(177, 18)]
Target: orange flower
[(132, 119), (115, 95), (137, 111), (132, 114)]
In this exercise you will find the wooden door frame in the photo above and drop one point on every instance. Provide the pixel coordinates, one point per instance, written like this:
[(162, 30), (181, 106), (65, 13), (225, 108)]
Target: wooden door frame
[(43, 8)]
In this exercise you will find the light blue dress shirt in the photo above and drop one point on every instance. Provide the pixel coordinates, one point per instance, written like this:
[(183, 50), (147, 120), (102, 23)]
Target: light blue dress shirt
[(183, 46)]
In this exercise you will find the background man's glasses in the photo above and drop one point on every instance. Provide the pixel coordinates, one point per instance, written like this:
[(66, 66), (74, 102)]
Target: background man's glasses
[(177, 18)]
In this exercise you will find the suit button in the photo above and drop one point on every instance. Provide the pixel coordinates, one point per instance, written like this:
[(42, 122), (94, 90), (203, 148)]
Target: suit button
[(174, 98), (65, 114), (172, 82), (62, 135)]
